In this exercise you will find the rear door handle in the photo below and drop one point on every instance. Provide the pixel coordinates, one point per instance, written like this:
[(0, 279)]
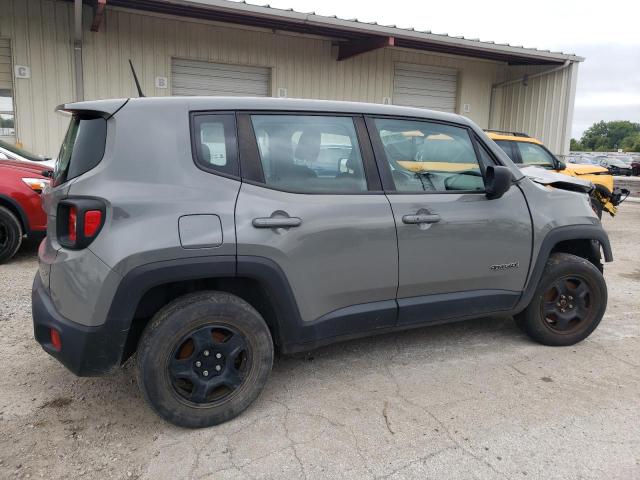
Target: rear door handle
[(277, 222), (420, 218)]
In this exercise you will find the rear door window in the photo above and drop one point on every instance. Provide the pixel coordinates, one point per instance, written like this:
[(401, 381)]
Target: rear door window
[(310, 153), (82, 148)]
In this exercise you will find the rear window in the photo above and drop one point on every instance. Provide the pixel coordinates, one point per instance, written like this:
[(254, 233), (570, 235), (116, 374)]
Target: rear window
[(82, 148)]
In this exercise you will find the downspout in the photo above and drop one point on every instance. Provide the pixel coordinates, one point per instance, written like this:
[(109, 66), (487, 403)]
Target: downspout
[(524, 79), (77, 50)]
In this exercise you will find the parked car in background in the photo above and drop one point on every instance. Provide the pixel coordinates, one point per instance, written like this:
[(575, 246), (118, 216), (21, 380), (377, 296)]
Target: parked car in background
[(615, 166), (629, 161), (635, 166), (526, 151), (11, 152), (21, 213), (581, 160)]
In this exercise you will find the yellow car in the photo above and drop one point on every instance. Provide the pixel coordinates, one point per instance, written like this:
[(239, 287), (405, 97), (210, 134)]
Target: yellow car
[(530, 152)]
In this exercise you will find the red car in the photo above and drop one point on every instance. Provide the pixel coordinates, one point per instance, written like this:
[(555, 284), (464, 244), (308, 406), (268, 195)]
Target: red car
[(21, 184)]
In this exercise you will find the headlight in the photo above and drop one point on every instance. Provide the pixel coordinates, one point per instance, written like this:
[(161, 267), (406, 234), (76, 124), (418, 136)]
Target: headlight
[(36, 184)]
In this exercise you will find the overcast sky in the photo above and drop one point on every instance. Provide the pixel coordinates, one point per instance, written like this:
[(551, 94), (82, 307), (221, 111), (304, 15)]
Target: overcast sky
[(606, 33)]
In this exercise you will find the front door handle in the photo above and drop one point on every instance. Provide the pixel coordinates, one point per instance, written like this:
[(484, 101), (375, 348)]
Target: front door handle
[(420, 218), (277, 222)]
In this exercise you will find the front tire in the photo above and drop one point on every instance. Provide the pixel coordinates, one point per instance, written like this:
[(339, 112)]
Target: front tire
[(10, 235), (568, 304), (204, 358)]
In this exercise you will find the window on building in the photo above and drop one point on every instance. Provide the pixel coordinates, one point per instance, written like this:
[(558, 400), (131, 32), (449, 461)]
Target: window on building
[(313, 153), (7, 117)]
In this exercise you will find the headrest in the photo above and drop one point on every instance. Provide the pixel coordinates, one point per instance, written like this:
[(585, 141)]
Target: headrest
[(308, 147)]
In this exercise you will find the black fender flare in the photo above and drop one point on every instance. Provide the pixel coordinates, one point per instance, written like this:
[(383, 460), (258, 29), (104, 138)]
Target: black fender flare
[(143, 278), (552, 238)]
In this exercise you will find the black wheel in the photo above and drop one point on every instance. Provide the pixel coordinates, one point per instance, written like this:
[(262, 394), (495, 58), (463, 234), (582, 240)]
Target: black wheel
[(204, 358), (10, 235), (597, 207), (568, 304)]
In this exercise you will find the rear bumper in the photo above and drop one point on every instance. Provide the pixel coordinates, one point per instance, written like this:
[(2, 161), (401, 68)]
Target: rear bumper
[(86, 351)]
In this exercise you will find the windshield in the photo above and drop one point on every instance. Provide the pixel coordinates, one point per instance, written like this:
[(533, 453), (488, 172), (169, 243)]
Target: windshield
[(534, 155), (23, 153)]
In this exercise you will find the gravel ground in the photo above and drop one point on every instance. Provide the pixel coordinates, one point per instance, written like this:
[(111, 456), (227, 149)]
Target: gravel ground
[(468, 400)]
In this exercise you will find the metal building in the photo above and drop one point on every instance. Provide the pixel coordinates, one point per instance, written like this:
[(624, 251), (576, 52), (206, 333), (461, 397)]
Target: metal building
[(55, 51)]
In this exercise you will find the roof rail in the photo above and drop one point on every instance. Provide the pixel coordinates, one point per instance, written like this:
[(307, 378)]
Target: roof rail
[(515, 134)]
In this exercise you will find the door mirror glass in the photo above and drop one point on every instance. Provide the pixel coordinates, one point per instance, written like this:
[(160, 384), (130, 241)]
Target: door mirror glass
[(498, 181), (561, 165)]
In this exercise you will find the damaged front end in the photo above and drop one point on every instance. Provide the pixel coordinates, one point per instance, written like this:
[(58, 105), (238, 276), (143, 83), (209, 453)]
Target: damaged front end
[(608, 200)]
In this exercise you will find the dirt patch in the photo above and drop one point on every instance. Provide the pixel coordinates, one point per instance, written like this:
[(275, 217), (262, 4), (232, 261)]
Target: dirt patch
[(59, 402)]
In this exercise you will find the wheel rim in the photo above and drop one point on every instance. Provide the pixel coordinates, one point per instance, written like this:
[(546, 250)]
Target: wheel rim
[(209, 364), (567, 305)]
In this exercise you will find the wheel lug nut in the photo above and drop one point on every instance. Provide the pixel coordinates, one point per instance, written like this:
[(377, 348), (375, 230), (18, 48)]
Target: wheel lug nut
[(205, 373), (206, 353), (570, 306), (218, 355), (198, 363), (218, 368)]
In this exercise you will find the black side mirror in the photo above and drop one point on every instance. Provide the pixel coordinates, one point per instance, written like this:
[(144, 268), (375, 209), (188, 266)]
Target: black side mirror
[(561, 165), (498, 181)]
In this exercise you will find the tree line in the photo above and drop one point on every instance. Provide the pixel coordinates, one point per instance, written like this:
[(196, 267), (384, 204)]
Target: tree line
[(609, 137)]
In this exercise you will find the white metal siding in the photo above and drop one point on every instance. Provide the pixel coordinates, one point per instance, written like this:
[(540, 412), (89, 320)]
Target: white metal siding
[(425, 86), (41, 37), (193, 77), (542, 108)]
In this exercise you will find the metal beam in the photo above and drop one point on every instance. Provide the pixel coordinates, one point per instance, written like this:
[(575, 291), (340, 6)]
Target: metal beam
[(99, 8), (77, 50), (352, 48)]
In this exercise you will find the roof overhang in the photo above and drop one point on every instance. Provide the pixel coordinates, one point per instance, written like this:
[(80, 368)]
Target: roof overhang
[(355, 37)]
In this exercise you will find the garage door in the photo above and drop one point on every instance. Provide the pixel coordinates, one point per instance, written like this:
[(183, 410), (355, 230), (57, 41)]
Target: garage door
[(7, 131), (425, 87), (193, 77)]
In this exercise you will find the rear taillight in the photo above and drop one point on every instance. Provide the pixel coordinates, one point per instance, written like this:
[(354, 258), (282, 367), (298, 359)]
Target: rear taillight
[(92, 222), (79, 221), (56, 341), (72, 224)]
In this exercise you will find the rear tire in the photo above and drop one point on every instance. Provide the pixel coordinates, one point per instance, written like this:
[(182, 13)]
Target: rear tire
[(204, 358), (568, 303), (10, 234)]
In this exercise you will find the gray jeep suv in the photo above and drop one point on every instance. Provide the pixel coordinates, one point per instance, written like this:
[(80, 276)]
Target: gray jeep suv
[(207, 233)]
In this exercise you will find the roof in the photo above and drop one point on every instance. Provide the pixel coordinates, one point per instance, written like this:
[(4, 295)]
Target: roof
[(267, 104), (348, 31), (512, 138)]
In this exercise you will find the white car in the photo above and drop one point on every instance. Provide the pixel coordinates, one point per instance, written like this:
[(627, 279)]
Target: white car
[(11, 152)]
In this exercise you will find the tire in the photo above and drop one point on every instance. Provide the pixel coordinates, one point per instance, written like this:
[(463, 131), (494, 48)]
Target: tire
[(553, 320), (10, 234), (184, 344), (597, 207)]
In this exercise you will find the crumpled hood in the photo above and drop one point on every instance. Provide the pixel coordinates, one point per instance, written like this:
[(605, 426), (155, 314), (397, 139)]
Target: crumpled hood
[(583, 169), (557, 180)]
